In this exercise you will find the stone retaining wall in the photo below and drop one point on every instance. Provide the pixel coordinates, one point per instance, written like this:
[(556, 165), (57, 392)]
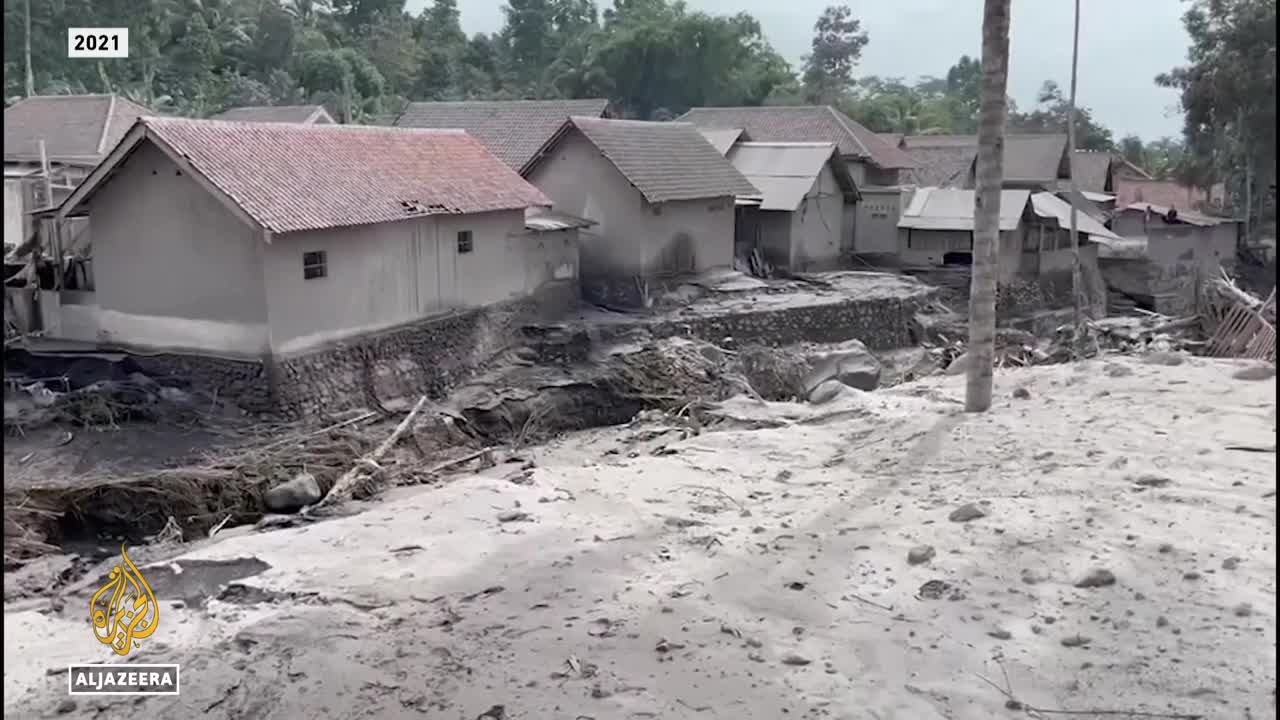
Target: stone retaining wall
[(428, 357), (882, 323)]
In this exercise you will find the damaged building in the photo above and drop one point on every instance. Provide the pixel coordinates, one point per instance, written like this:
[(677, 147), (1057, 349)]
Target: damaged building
[(247, 255), (69, 134), (1034, 256), (1165, 256), (797, 223)]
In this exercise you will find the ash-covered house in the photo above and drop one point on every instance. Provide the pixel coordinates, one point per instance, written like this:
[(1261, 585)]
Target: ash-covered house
[(662, 198), (940, 160), (306, 262), (516, 131), (877, 167), (301, 114), (1035, 258), (1165, 256), (77, 131), (798, 222)]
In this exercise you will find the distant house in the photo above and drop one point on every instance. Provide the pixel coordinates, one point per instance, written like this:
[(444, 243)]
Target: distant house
[(77, 130), (876, 166), (940, 160), (1031, 162), (661, 195), (271, 241), (301, 114), (803, 187), (517, 131), (1034, 246), (1165, 256), (1166, 193)]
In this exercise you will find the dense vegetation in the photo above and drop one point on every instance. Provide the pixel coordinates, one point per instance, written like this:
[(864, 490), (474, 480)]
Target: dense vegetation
[(653, 58)]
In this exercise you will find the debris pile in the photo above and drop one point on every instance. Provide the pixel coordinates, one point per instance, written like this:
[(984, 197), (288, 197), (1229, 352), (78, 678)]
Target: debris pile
[(1231, 323), (31, 404), (224, 490)]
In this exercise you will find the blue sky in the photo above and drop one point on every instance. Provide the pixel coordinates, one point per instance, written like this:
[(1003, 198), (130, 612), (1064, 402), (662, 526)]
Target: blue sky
[(1123, 45)]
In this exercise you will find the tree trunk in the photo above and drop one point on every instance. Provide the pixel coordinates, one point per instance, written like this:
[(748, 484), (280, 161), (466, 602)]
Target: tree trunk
[(1077, 291), (30, 81), (986, 214)]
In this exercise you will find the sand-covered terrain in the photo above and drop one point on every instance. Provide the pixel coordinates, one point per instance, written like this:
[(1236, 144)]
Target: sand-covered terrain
[(881, 556)]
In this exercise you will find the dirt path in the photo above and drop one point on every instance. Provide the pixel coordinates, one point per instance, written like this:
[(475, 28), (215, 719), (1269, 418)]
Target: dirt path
[(761, 573)]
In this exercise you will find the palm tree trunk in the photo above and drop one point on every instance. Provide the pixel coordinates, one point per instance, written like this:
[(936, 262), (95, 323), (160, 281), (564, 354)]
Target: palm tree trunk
[(986, 214), (1077, 297), (29, 81)]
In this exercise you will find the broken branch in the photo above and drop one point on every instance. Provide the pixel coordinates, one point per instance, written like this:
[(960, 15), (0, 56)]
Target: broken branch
[(345, 486)]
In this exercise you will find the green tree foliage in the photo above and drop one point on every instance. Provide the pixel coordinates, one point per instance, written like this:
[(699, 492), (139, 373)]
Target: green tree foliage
[(1050, 115), (838, 39), (197, 57), (1228, 95), (1163, 159)]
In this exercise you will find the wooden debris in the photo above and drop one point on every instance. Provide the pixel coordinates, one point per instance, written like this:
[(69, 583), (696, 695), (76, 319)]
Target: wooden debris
[(367, 466)]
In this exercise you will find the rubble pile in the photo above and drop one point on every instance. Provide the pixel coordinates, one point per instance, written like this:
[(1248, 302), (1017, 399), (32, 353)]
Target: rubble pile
[(105, 403)]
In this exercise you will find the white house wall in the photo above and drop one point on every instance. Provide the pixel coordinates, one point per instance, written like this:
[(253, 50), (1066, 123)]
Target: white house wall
[(380, 276), (13, 212), (877, 218), (817, 225), (173, 268)]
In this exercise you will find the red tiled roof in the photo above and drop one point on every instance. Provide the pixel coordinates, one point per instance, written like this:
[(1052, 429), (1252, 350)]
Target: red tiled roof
[(290, 177)]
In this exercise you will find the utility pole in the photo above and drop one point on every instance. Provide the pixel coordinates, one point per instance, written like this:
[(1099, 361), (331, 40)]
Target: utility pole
[(1076, 290), (30, 85)]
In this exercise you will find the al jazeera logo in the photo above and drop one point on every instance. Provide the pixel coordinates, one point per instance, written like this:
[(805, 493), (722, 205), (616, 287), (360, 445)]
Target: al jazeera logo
[(124, 612)]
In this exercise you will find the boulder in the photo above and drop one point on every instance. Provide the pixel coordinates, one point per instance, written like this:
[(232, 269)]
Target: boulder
[(826, 391), (959, 365), (293, 495), (850, 363)]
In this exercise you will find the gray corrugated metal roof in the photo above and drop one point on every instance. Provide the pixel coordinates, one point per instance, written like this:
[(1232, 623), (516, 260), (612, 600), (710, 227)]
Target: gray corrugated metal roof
[(1184, 216), (781, 193), (665, 161), (540, 219), (1048, 205), (514, 130), (722, 139), (783, 172), (952, 209), (277, 113)]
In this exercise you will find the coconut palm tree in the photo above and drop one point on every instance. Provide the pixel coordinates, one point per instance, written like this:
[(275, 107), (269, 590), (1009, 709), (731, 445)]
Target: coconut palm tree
[(986, 214)]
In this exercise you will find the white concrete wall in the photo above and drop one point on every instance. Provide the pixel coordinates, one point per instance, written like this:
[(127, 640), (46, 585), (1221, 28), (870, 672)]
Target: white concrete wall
[(380, 276), (928, 247), (631, 237), (816, 228), (877, 218), (174, 269), (13, 209)]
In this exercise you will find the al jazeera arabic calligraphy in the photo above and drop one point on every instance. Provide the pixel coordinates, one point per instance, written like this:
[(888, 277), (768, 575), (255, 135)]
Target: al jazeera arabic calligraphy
[(124, 610)]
